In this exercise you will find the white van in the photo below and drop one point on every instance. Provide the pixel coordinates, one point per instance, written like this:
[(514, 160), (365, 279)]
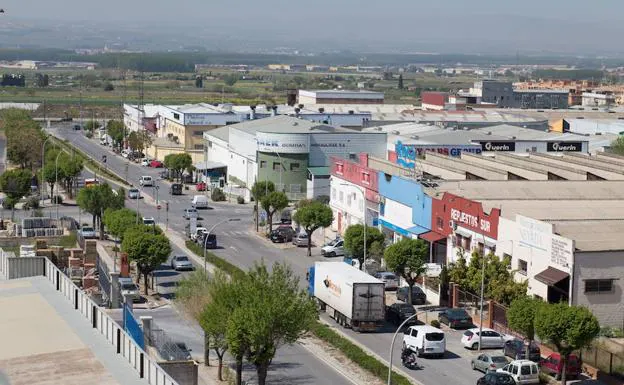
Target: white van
[(524, 372), (200, 202), (425, 340)]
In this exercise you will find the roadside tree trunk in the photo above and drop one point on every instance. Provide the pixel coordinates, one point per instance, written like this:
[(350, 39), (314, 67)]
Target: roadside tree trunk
[(564, 364), (145, 273), (309, 243), (410, 285), (239, 370), (262, 371), (207, 351)]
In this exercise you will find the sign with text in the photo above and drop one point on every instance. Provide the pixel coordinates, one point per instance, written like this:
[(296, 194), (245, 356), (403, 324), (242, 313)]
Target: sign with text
[(540, 238), (452, 210), (564, 146), (498, 146), (407, 153), (282, 143)]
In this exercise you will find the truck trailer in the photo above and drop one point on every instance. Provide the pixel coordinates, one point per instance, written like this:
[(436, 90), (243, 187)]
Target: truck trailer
[(351, 297)]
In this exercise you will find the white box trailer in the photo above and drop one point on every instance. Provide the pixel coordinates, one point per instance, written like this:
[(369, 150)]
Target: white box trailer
[(352, 297)]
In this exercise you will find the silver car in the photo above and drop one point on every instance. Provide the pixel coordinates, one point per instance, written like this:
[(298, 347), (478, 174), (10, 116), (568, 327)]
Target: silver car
[(181, 262), (300, 239), (129, 290), (390, 280), (134, 193), (487, 362)]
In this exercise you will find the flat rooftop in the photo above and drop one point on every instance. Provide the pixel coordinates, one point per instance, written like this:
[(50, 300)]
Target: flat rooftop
[(593, 235), (45, 341)]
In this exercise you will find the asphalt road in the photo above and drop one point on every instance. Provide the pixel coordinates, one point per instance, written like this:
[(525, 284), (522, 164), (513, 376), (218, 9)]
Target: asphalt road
[(239, 245)]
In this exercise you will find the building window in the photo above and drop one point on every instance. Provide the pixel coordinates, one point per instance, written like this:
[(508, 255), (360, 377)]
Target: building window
[(522, 267), (439, 223), (366, 178), (339, 168), (198, 133), (480, 248), (349, 200), (333, 196), (276, 166), (598, 286), (352, 156), (176, 116), (294, 167), (199, 146), (341, 197), (263, 164)]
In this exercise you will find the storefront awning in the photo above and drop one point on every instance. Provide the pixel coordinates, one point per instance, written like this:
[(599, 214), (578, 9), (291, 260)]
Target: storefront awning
[(463, 233), (551, 276), (417, 230), (432, 236)]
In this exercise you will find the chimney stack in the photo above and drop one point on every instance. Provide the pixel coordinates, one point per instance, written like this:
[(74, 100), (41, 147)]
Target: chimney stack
[(252, 114), (273, 110)]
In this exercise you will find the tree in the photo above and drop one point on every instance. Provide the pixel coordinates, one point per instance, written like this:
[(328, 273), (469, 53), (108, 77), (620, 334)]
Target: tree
[(568, 328), (96, 199), (274, 312), (92, 125), (109, 87), (199, 82), (458, 270), (70, 167), (49, 173), (311, 217), (521, 317), (258, 191), (400, 86), (24, 140), (15, 184), (407, 258), (116, 130), (147, 249), (230, 79), (617, 146), (178, 163), (354, 241), (273, 203), (117, 221)]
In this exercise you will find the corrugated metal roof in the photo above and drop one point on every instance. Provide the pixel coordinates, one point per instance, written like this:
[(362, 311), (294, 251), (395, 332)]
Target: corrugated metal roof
[(319, 171)]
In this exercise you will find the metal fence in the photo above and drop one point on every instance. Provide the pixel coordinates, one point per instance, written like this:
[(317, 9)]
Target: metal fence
[(132, 326), (103, 278), (167, 348)]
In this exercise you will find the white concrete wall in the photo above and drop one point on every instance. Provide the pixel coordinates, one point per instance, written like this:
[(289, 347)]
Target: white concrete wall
[(243, 143), (351, 205), (607, 307), (322, 146), (475, 238)]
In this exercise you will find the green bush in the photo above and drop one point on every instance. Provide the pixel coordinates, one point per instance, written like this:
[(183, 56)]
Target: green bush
[(217, 195), (57, 199), (89, 134), (31, 203), (240, 200), (70, 240), (357, 354), (435, 323)]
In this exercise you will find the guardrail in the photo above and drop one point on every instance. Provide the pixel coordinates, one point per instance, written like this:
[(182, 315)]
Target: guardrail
[(124, 345)]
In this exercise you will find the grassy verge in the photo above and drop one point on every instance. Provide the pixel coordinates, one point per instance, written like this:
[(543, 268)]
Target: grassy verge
[(319, 330), (89, 162), (69, 241)]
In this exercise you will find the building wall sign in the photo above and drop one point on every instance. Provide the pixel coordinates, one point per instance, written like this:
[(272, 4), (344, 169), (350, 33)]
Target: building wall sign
[(452, 210), (564, 146), (498, 146), (407, 153), (539, 237), (282, 143)]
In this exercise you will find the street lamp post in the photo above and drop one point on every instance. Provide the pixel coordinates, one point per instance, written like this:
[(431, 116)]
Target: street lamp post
[(137, 211), (42, 168), (56, 182), (392, 344), (365, 225), (208, 234), (156, 188), (482, 292)]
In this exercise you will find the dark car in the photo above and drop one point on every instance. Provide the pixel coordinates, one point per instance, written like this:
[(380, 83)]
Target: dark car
[(418, 296), (516, 349), (282, 234), (211, 242), (496, 379), (399, 312), (176, 189), (455, 318), (77, 127)]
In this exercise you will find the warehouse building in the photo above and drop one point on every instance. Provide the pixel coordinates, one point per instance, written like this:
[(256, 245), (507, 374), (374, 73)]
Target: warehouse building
[(339, 97), (286, 150)]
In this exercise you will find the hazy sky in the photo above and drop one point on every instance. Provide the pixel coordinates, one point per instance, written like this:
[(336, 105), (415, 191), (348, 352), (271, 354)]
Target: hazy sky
[(525, 24)]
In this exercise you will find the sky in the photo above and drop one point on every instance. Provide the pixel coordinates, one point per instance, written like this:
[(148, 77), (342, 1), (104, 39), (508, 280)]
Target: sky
[(424, 25)]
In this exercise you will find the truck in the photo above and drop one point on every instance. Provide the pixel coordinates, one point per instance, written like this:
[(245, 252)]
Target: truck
[(351, 297)]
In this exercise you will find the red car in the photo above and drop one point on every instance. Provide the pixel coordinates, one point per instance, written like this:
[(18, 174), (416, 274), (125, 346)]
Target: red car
[(552, 365), (156, 164), (201, 186)]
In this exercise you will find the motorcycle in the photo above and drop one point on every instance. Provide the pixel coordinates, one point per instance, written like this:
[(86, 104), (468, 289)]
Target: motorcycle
[(408, 358)]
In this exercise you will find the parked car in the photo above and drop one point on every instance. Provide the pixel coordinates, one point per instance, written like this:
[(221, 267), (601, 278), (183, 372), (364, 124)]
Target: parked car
[(487, 362), (523, 372), (77, 127), (88, 232), (282, 234), (516, 349), (145, 162), (199, 231), (390, 280), (146, 180), (425, 340), (286, 216), (333, 248), (201, 186), (552, 366), (129, 289), (190, 213), (210, 243), (181, 262), (149, 221), (300, 239), (125, 153), (175, 189), (489, 339), (455, 318), (200, 202), (418, 296), (134, 193), (399, 312), (187, 229), (156, 164), (496, 379)]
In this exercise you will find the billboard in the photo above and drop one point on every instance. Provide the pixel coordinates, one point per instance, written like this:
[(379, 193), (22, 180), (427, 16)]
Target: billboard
[(564, 146), (407, 153), (498, 146), (283, 143)]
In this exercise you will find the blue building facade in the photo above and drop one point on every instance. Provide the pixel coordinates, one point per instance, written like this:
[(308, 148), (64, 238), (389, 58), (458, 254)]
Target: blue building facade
[(405, 209)]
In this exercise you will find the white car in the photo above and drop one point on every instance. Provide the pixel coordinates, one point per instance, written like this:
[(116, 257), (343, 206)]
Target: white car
[(129, 290), (149, 221), (334, 248), (88, 232), (145, 162), (125, 153), (522, 371), (489, 339), (146, 181)]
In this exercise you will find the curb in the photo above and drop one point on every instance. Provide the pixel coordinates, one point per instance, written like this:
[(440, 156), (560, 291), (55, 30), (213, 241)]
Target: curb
[(317, 352)]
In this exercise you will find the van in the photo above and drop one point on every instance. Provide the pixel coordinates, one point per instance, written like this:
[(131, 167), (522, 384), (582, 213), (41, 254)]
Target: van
[(524, 372), (200, 202), (425, 340), (129, 290)]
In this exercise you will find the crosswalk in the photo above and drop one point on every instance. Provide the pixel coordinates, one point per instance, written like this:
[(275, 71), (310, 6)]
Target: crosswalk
[(234, 233)]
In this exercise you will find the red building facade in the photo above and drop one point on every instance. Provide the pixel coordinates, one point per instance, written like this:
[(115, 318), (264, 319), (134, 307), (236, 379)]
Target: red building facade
[(452, 211)]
